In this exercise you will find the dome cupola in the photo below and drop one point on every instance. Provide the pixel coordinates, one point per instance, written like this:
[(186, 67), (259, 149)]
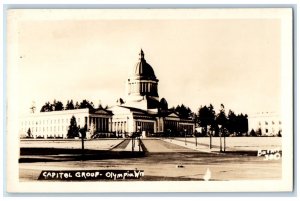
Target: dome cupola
[(143, 69)]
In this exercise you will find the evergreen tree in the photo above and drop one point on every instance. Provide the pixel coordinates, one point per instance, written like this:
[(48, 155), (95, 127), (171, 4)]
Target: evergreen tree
[(77, 105), (73, 129), (86, 104), (221, 119), (184, 111), (47, 107), (58, 106), (70, 105), (232, 122), (29, 133)]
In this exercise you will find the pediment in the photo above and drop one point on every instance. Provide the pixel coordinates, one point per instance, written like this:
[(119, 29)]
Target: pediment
[(173, 114), (101, 111)]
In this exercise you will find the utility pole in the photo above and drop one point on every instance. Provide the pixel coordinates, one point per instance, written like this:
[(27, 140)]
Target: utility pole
[(220, 133)]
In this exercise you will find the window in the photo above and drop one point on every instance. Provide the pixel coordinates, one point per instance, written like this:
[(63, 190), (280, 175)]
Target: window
[(266, 123), (259, 123), (279, 122), (267, 130)]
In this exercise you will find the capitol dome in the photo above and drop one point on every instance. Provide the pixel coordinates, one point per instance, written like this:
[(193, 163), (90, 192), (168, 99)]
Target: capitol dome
[(143, 69), (142, 84)]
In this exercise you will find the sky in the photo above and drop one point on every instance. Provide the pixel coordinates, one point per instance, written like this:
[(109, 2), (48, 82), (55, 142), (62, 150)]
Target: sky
[(235, 62)]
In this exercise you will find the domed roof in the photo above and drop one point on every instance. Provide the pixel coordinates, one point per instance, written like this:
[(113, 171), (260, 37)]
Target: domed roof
[(143, 69)]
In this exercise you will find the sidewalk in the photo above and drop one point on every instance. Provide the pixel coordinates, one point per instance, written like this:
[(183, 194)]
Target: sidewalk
[(137, 148), (192, 145)]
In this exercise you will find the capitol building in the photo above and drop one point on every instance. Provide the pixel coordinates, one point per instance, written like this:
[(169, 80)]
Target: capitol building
[(140, 111)]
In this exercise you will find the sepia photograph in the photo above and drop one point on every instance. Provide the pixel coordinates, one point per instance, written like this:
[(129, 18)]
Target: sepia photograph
[(150, 100)]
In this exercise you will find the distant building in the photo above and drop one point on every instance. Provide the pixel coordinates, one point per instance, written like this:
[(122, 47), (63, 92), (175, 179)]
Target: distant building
[(56, 124), (269, 123), (141, 111)]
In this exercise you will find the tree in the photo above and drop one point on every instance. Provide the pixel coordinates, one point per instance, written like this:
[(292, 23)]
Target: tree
[(29, 133), (86, 104), (73, 129), (258, 132), (232, 122), (55, 106), (77, 105), (221, 119), (279, 133), (58, 106), (203, 118), (222, 122), (241, 124), (252, 133), (184, 111), (47, 107), (70, 105)]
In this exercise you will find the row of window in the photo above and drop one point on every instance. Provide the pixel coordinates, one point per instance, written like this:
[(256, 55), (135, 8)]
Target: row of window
[(273, 130), (46, 129), (267, 123), (47, 121), (143, 87)]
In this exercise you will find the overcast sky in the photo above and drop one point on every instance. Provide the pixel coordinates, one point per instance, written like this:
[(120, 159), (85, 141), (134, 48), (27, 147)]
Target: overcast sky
[(234, 61)]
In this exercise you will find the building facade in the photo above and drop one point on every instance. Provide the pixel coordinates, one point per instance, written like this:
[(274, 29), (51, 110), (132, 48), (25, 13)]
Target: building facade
[(56, 124), (267, 123), (140, 112)]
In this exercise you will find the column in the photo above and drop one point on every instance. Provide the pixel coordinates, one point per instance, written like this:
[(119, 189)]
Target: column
[(100, 124), (107, 125), (110, 125), (88, 122), (97, 123)]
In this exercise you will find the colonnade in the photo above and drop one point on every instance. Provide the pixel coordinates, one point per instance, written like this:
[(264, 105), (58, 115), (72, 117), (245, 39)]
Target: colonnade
[(101, 124)]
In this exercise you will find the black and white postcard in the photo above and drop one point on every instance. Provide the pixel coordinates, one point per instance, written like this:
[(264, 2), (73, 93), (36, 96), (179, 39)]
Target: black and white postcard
[(149, 100)]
